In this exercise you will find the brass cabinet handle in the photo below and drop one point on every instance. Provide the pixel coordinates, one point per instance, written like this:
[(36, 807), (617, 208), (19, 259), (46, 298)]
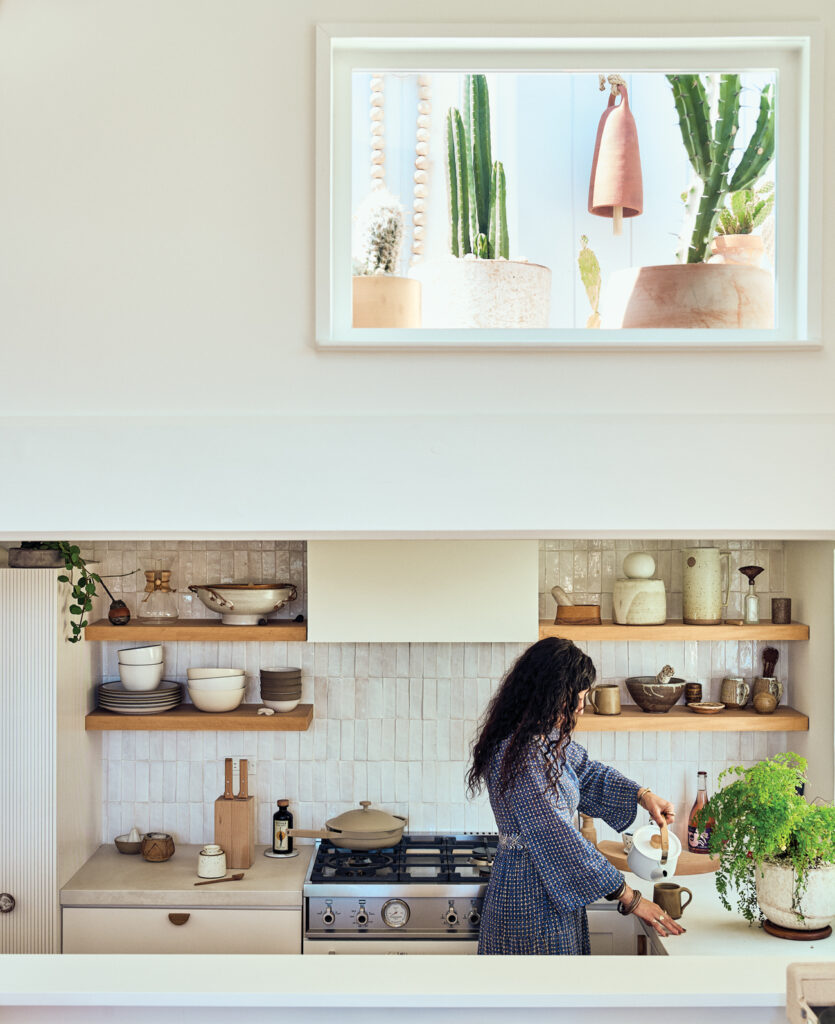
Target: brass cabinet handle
[(178, 918)]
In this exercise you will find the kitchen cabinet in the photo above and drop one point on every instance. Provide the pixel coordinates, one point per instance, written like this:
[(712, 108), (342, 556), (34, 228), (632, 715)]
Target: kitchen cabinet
[(181, 930), (50, 769), (612, 934)]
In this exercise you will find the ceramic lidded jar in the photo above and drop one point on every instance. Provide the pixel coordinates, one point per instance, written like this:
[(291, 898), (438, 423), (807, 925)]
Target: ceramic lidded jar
[(638, 599), (211, 862)]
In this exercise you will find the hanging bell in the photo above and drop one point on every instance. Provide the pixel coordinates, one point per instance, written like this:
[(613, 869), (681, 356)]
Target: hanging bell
[(616, 189)]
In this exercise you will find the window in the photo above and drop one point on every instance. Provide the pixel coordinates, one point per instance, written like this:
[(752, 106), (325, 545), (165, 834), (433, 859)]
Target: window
[(454, 191)]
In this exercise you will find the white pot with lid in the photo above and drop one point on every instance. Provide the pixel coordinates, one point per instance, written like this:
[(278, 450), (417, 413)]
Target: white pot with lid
[(638, 599), (366, 829), (654, 854), (211, 862)]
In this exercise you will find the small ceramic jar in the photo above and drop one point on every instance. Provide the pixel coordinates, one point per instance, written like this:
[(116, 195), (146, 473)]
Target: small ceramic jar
[(211, 863)]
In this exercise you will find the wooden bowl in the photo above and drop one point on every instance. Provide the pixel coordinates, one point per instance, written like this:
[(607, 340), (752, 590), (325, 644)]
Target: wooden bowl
[(652, 696), (157, 847), (706, 707), (578, 615)]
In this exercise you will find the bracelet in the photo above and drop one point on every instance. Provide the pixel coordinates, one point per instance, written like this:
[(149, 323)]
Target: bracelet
[(636, 899), (642, 792)]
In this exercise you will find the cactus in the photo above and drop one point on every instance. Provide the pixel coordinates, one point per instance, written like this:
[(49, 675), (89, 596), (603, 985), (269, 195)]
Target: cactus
[(590, 276), (380, 223), (477, 186), (710, 147)]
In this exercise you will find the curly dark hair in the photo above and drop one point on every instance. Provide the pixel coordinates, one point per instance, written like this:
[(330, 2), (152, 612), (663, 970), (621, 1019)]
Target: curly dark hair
[(538, 694)]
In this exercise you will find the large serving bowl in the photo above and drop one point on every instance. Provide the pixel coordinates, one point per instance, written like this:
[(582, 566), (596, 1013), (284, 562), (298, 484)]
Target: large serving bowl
[(653, 697), (141, 655), (216, 700), (243, 604), (219, 684), (140, 677)]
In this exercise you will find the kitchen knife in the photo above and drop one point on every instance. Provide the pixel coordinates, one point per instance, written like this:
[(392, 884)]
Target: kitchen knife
[(243, 792), (227, 775)]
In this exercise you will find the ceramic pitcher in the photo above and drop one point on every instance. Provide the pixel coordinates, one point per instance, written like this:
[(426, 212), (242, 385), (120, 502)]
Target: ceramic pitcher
[(701, 584)]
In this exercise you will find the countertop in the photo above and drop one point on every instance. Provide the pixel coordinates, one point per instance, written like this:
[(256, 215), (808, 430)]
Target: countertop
[(712, 931), (113, 879)]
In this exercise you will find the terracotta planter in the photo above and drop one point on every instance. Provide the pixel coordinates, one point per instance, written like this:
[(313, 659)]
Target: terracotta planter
[(742, 250), (484, 293), (690, 295), (383, 300), (775, 887)]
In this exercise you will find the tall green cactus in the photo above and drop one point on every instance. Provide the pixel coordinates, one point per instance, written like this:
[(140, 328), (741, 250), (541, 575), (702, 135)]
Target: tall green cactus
[(477, 187), (710, 147)]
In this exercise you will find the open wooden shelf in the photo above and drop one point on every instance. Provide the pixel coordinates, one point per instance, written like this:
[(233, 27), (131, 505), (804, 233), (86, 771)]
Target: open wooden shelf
[(194, 629), (674, 629), (186, 718), (681, 719)]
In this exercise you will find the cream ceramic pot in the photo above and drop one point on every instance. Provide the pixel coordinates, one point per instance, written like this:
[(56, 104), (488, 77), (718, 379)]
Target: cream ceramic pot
[(654, 854), (701, 585), (365, 829), (638, 599), (211, 862)]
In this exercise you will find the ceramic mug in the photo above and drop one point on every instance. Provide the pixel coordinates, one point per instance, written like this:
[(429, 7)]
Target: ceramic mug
[(605, 699), (668, 896), (735, 692), (768, 684)]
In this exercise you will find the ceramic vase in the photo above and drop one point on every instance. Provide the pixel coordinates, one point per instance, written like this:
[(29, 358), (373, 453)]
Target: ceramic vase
[(701, 585)]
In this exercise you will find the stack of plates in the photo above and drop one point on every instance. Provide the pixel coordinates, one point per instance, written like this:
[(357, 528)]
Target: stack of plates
[(114, 697)]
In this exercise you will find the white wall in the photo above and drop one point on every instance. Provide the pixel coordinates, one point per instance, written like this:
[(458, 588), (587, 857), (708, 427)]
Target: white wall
[(158, 260)]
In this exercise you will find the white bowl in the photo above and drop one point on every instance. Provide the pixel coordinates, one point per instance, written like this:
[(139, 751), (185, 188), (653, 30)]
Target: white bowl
[(212, 673), (243, 604), (281, 705), (216, 700), (140, 677), (141, 655), (218, 685)]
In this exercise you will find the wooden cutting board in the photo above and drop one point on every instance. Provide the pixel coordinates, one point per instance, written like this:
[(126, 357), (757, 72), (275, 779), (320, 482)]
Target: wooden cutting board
[(688, 863)]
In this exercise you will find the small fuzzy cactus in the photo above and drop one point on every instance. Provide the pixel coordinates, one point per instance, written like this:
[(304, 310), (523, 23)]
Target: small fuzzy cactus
[(380, 234), (590, 276), (746, 210)]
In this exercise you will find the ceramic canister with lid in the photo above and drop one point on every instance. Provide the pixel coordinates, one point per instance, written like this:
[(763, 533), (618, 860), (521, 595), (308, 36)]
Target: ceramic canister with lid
[(639, 599), (211, 862)]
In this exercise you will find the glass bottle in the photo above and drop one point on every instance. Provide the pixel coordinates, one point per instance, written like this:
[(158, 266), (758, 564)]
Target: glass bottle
[(159, 603), (752, 606), (698, 839), (282, 823)]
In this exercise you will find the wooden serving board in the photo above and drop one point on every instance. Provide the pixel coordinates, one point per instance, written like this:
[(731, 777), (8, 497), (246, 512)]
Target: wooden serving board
[(688, 863)]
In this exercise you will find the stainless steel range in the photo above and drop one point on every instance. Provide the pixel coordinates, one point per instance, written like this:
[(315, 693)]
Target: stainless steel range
[(423, 895)]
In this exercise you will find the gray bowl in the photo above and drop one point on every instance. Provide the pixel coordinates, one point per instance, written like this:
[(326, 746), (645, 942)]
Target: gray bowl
[(653, 697)]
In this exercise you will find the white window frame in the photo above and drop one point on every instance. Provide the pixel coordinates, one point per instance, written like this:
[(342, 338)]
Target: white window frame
[(794, 50)]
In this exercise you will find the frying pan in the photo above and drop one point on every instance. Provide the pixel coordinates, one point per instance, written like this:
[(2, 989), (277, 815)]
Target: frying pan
[(366, 829)]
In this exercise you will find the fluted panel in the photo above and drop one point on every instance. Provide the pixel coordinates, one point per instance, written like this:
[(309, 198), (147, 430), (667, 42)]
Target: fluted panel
[(28, 614)]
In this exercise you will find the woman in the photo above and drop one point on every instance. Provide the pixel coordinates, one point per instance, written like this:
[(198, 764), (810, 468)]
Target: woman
[(545, 873)]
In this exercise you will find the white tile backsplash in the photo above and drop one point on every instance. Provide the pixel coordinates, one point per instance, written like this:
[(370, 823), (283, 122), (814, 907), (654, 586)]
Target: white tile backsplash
[(393, 723)]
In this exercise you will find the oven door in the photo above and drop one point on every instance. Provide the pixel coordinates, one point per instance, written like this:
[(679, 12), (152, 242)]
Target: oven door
[(388, 947)]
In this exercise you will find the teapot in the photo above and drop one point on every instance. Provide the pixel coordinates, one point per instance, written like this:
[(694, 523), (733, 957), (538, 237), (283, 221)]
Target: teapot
[(654, 854)]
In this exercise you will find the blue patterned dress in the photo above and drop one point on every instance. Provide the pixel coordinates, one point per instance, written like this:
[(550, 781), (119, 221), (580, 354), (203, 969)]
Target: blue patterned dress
[(545, 873)]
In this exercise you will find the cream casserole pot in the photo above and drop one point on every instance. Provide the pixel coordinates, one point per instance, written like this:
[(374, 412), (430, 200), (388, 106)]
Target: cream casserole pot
[(366, 829)]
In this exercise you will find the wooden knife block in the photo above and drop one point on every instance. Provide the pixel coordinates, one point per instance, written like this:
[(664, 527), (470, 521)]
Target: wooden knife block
[(235, 830)]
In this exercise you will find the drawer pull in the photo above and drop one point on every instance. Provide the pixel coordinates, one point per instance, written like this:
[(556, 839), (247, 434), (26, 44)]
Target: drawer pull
[(178, 918)]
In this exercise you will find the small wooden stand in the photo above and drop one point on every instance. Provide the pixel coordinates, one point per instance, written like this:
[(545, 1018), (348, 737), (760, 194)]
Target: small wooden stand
[(797, 934), (235, 821)]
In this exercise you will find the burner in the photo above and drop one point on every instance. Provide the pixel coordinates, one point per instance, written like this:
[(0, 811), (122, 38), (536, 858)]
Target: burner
[(356, 865), (482, 858)]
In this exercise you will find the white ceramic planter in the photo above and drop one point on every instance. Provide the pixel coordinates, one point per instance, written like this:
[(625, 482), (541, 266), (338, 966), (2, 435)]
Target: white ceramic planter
[(775, 888), (383, 300), (484, 293)]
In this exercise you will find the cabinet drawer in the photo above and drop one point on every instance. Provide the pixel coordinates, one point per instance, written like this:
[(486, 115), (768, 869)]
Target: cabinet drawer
[(152, 930)]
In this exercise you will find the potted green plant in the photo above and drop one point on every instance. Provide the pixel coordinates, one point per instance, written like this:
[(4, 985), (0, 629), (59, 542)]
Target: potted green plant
[(775, 849), (480, 286), (744, 212), (381, 298), (697, 293)]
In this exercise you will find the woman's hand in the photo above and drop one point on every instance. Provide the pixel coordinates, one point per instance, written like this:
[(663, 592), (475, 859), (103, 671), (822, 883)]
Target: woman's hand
[(659, 810), (657, 918)]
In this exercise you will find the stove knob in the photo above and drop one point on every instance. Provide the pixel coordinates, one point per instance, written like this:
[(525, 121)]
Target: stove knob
[(474, 917), (328, 916), (451, 917), (362, 917)]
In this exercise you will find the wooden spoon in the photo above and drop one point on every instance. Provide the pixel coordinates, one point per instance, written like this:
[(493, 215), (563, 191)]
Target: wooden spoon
[(229, 878)]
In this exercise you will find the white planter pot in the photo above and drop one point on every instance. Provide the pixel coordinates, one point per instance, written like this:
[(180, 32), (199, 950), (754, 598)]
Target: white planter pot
[(775, 887), (484, 293)]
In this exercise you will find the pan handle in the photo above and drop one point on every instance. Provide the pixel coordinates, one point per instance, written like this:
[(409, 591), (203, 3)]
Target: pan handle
[(310, 833)]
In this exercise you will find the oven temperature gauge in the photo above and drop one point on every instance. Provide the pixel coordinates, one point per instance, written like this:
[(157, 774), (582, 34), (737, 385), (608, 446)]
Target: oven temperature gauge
[(395, 913)]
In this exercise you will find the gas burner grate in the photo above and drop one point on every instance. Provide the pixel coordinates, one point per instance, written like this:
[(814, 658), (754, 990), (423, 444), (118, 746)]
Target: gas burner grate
[(417, 859)]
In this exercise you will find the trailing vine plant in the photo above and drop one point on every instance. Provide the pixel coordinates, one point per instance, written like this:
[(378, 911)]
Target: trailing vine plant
[(83, 589)]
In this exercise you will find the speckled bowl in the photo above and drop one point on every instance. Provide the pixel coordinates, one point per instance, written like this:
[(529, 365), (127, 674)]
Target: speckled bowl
[(653, 697)]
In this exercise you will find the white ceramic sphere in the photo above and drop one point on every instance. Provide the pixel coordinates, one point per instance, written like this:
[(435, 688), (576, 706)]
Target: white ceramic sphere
[(639, 565)]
